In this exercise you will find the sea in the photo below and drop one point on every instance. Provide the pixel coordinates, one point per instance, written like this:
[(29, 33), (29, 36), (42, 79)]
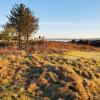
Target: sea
[(60, 40)]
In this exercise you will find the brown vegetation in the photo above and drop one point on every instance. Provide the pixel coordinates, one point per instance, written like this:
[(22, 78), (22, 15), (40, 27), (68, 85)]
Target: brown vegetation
[(48, 77)]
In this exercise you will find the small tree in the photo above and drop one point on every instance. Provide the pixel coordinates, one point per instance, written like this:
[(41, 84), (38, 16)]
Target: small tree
[(23, 21), (8, 32)]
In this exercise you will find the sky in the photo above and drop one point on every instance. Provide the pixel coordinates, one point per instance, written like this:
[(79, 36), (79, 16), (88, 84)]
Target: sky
[(61, 18)]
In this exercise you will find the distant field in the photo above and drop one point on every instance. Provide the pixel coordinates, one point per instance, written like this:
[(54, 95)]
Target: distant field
[(87, 55), (55, 46), (79, 54)]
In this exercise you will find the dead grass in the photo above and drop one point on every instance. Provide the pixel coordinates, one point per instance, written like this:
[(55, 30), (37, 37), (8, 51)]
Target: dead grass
[(71, 76)]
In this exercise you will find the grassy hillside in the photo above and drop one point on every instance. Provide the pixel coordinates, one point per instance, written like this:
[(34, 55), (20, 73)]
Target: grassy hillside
[(74, 75)]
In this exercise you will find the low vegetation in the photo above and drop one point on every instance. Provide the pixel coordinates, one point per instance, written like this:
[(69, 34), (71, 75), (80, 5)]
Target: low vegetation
[(29, 76)]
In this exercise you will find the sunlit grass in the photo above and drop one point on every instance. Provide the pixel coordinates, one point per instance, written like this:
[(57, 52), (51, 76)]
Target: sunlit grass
[(41, 75), (78, 54), (87, 55)]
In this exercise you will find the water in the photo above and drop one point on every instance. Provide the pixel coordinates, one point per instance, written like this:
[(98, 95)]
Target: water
[(60, 40)]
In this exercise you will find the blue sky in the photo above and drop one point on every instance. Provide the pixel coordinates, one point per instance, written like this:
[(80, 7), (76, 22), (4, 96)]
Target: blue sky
[(61, 18)]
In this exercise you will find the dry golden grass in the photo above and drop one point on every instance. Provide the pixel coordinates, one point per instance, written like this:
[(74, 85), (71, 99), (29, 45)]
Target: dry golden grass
[(74, 75)]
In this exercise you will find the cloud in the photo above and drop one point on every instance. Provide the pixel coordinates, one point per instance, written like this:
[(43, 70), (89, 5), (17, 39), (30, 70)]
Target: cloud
[(68, 24)]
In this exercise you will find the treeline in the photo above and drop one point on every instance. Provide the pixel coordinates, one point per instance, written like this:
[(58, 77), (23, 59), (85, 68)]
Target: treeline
[(95, 43), (22, 23)]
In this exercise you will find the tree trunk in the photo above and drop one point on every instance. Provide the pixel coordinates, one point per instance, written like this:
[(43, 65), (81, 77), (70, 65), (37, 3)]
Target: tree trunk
[(19, 40), (27, 40)]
